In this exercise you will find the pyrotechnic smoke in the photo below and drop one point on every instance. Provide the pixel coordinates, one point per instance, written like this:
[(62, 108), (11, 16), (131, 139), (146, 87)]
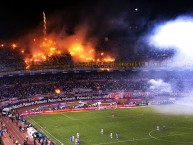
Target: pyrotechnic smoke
[(159, 86), (175, 109), (44, 20), (109, 34), (175, 35), (182, 106), (77, 45)]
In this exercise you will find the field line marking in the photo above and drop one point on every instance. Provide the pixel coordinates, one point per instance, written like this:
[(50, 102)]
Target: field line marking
[(173, 135), (84, 118), (45, 129), (110, 116), (124, 141), (151, 137), (68, 116), (166, 135), (159, 138)]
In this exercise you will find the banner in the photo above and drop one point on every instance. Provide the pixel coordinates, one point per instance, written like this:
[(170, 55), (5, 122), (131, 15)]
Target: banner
[(76, 109)]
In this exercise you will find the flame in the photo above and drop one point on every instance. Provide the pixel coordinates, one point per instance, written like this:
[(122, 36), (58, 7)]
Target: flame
[(57, 91), (82, 53), (13, 46), (44, 48), (37, 50), (22, 51), (108, 59), (41, 50)]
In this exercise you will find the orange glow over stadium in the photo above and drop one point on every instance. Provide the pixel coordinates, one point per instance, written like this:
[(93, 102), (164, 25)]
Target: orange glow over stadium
[(37, 49), (81, 51), (40, 50)]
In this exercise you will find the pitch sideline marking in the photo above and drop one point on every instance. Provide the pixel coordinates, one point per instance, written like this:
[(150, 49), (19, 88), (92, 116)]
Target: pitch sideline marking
[(102, 117), (45, 129)]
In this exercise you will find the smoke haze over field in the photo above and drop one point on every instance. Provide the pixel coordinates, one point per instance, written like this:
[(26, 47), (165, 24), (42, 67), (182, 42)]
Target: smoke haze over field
[(174, 109), (175, 34)]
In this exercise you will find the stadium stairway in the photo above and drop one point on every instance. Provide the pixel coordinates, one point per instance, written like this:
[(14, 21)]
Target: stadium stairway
[(14, 134)]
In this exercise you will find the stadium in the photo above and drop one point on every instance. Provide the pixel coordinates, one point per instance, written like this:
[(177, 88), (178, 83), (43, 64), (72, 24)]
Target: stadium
[(58, 103), (126, 85)]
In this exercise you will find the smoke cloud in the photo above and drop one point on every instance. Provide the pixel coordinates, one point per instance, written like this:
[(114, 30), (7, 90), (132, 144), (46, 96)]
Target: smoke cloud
[(175, 34), (159, 86), (79, 47), (113, 31), (174, 109)]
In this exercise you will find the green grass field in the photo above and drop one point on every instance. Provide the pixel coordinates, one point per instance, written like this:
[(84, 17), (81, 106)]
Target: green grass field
[(136, 126)]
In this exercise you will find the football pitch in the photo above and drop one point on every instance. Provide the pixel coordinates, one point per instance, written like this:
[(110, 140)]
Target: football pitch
[(134, 126)]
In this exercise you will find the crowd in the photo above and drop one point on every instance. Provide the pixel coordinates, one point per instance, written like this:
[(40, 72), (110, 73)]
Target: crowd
[(99, 82), (28, 86), (11, 59)]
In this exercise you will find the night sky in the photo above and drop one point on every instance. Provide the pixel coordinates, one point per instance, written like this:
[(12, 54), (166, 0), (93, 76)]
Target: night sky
[(122, 21), (18, 18)]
